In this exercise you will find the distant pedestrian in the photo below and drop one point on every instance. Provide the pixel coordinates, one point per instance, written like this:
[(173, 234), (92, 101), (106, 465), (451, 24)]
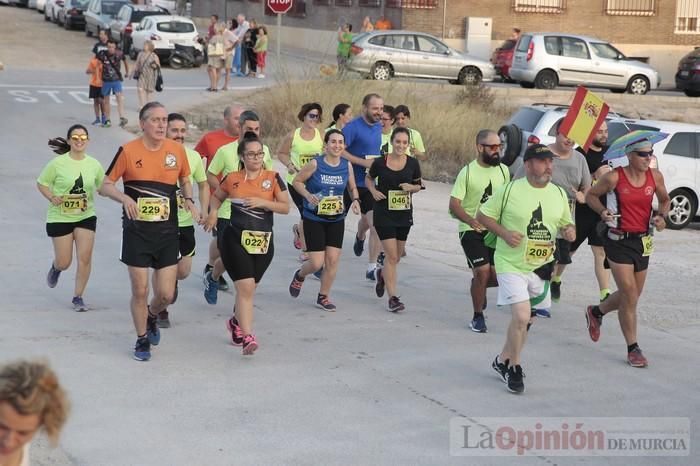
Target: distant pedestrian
[(383, 24), (211, 31), (344, 46), (261, 51), (31, 399), (94, 69), (367, 25), (229, 51), (239, 62), (112, 78), (515, 35), (146, 68), (215, 64), (251, 38)]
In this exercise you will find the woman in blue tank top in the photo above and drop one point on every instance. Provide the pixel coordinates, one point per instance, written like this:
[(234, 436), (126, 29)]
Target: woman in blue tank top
[(322, 183)]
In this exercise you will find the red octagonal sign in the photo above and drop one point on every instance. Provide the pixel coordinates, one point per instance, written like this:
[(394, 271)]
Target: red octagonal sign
[(279, 6)]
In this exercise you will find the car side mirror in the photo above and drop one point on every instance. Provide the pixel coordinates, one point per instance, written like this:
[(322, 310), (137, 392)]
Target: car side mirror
[(448, 52)]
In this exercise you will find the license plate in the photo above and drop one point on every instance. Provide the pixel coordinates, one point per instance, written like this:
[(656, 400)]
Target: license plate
[(684, 74)]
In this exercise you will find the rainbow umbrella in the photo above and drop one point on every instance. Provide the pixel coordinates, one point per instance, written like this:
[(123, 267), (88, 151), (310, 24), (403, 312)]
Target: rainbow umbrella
[(617, 148)]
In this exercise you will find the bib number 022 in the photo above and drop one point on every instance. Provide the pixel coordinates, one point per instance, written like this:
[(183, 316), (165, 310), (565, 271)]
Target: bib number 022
[(255, 242)]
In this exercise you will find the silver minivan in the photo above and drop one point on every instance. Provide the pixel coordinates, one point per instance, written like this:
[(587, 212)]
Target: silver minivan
[(545, 60)]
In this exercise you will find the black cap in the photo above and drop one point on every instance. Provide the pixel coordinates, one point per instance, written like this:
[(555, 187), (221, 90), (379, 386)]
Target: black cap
[(538, 151)]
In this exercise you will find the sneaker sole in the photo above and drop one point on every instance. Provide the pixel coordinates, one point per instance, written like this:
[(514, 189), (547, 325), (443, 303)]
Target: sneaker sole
[(250, 349), (164, 324), (142, 358), (398, 309), (638, 365), (380, 287), (320, 306), (501, 375), (476, 330), (517, 392), (80, 309)]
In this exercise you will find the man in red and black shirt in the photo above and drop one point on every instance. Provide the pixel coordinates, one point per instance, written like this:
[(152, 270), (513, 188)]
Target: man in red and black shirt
[(150, 168)]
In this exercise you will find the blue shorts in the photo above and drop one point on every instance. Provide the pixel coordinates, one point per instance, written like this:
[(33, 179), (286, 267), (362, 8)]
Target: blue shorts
[(111, 87)]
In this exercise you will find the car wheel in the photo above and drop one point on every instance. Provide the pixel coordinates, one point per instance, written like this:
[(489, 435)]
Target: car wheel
[(546, 79), (381, 71), (176, 63), (453, 81), (638, 85), (684, 206), (527, 85), (469, 75), (511, 140), (690, 93)]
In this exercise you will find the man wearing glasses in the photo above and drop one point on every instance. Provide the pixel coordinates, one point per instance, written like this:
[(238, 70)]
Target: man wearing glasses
[(474, 185), (630, 191)]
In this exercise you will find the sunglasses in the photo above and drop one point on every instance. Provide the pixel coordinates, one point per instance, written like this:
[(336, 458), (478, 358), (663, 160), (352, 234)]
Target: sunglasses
[(79, 137), (644, 154), (255, 155), (493, 146), (313, 116)]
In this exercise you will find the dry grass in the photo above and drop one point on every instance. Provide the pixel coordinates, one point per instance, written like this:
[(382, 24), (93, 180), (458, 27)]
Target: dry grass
[(447, 116)]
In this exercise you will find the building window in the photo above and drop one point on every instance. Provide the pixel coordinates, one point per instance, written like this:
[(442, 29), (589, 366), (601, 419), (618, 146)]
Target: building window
[(298, 9), (630, 7), (687, 17), (370, 3), (343, 2), (412, 3), (539, 6)]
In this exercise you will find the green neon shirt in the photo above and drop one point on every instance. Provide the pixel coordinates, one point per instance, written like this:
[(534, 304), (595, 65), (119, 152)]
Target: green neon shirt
[(475, 184), (197, 175)]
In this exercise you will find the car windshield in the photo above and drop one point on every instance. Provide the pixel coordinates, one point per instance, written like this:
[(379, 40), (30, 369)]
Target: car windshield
[(527, 118), (175, 26), (137, 16), (604, 50), (111, 8), (80, 3)]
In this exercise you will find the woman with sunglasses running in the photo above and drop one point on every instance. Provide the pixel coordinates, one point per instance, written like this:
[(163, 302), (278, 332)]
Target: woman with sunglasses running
[(322, 183), (247, 244), (398, 178), (69, 182), (296, 150)]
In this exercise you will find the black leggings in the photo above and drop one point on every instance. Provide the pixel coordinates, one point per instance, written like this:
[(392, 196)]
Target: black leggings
[(252, 60)]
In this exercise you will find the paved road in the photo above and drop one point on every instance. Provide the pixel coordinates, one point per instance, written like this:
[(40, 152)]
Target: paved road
[(359, 386)]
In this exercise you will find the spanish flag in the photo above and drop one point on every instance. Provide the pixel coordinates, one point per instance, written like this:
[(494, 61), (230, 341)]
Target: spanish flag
[(586, 114)]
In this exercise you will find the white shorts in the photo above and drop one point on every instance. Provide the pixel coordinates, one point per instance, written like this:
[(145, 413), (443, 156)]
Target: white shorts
[(518, 287)]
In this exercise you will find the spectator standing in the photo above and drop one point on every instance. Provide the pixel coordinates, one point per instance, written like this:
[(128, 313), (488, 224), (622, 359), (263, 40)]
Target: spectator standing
[(211, 32), (251, 38), (261, 51), (367, 25), (383, 24), (239, 58), (112, 78), (229, 50), (94, 69), (215, 62), (344, 45), (147, 65)]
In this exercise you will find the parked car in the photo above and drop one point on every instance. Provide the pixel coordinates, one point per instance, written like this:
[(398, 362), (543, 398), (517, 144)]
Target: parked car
[(503, 57), (100, 14), (383, 55), (51, 10), (688, 75), (164, 31), (168, 5), (678, 156), (71, 15), (128, 17), (40, 6), (546, 60), (23, 3), (31, 4)]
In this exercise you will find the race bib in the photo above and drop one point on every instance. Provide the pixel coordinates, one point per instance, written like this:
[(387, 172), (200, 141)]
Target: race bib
[(153, 209), (255, 242), (538, 253), (74, 204), (306, 158), (180, 200), (399, 200), (331, 205), (648, 244)]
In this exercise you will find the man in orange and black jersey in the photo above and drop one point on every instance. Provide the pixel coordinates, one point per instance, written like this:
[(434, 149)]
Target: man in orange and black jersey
[(150, 168)]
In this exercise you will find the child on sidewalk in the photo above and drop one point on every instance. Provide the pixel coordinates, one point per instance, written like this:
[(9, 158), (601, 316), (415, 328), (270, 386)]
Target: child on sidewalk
[(95, 70), (260, 50)]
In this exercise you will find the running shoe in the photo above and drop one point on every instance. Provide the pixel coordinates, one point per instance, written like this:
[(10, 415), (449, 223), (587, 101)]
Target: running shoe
[(371, 275), (297, 237), (142, 349), (122, 122), (379, 287), (636, 359), (52, 276), (97, 122), (359, 246), (249, 345), (514, 379), (235, 331), (500, 367), (295, 285), (380, 259), (324, 303), (175, 293), (555, 289), (223, 285), (211, 288), (152, 330), (478, 323), (79, 304), (108, 124), (319, 273), (543, 313), (164, 319), (395, 305), (593, 324)]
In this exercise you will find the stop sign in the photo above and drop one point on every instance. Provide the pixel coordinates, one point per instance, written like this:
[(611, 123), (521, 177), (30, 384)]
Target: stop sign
[(279, 6)]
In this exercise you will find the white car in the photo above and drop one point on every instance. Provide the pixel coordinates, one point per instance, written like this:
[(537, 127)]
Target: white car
[(51, 10), (40, 5), (164, 31)]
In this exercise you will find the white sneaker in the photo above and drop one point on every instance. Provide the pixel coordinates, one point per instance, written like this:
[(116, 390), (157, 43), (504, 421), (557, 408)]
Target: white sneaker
[(261, 76)]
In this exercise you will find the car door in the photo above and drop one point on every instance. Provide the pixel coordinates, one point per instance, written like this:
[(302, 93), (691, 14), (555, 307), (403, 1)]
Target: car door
[(607, 67), (433, 60), (117, 26), (679, 162), (138, 36), (574, 61)]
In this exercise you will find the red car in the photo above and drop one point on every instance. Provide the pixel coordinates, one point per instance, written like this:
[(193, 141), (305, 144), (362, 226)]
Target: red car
[(503, 57)]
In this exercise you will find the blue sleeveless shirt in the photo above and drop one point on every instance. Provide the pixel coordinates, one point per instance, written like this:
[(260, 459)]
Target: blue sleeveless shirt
[(327, 181)]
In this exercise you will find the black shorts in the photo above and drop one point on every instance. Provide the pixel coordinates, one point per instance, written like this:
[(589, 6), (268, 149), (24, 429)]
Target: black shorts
[(55, 230), (187, 242), (320, 235), (297, 198), (627, 251), (239, 264), (478, 254), (586, 227), (95, 92), (148, 249), (390, 232), (221, 224), (562, 253), (366, 200)]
